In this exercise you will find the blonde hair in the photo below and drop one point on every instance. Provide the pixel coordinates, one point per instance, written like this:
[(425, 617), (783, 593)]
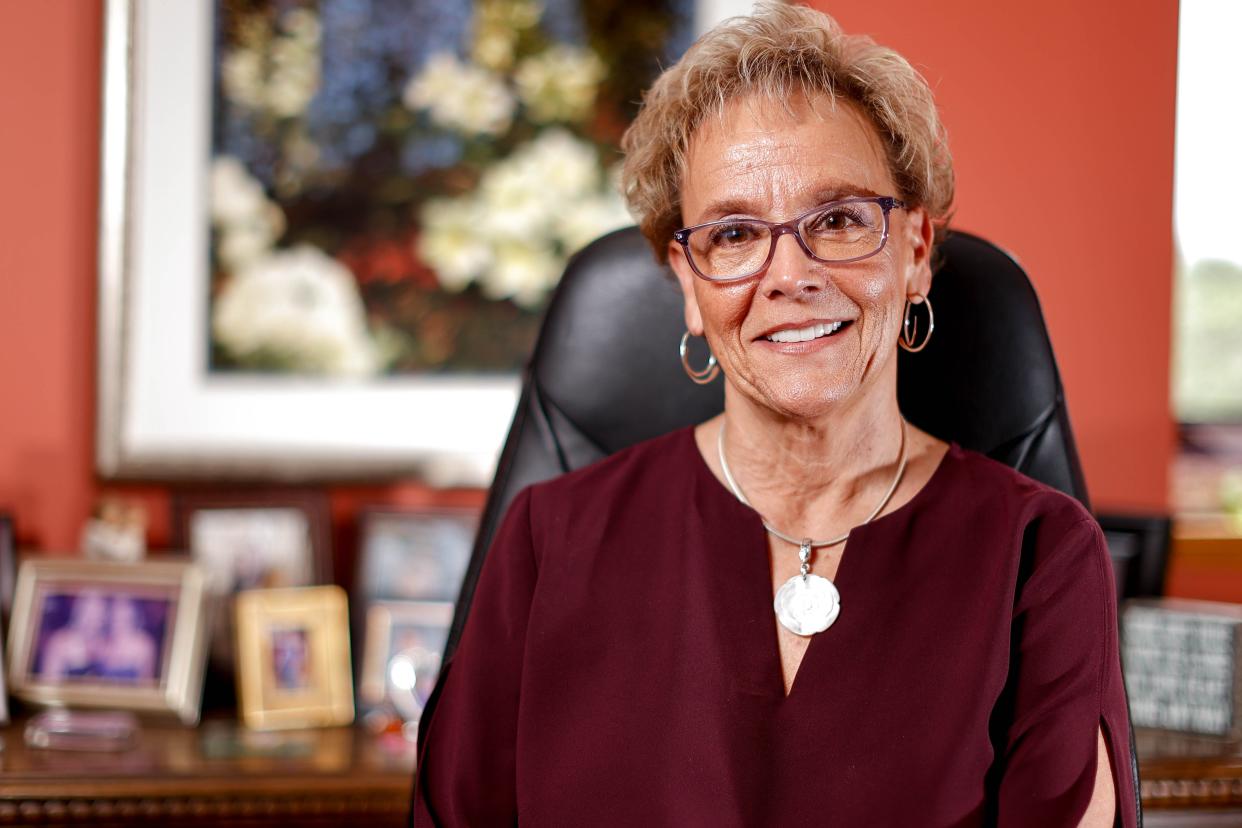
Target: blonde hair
[(777, 52)]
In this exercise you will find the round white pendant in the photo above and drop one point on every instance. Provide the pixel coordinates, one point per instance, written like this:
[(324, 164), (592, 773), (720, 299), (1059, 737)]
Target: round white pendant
[(807, 605)]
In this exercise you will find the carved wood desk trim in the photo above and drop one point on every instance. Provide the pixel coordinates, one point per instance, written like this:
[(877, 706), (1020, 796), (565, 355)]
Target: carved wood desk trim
[(175, 775)]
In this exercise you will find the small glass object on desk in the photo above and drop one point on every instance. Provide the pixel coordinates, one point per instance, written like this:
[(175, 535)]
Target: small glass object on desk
[(99, 731)]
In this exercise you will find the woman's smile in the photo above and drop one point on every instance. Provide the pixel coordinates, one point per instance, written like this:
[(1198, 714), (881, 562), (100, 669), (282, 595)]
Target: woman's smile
[(805, 337)]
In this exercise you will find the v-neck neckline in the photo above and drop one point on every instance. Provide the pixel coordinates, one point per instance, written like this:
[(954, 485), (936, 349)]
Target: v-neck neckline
[(772, 652)]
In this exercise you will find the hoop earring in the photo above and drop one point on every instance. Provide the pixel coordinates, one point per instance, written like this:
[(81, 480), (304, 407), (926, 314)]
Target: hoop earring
[(701, 377), (910, 331)]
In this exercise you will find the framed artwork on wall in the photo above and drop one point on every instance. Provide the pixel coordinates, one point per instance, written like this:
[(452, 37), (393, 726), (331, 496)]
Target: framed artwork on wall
[(114, 635), (315, 261)]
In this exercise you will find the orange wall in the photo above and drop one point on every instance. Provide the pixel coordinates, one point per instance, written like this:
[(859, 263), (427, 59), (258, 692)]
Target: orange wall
[(1060, 114), (1047, 104), (49, 86)]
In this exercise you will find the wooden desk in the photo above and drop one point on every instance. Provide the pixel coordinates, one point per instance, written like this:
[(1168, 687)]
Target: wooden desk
[(216, 774), (1189, 780), (222, 774)]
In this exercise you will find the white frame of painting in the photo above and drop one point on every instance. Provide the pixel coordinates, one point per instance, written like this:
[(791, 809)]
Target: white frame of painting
[(159, 415)]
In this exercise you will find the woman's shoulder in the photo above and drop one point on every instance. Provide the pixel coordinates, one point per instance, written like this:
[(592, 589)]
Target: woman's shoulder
[(658, 461), (995, 486), (1048, 530)]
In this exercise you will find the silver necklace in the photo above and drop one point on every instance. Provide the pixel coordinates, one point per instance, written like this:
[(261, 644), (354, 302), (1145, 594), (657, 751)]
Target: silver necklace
[(806, 603)]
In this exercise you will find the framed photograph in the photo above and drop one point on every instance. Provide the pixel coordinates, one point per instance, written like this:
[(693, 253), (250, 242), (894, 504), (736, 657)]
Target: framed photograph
[(413, 554), (404, 644), (4, 690), (8, 567), (251, 540), (293, 665), (104, 634)]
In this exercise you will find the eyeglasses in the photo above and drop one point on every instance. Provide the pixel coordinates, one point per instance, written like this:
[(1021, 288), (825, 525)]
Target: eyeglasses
[(837, 232)]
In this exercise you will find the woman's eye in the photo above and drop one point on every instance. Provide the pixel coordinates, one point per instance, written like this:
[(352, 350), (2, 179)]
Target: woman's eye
[(834, 220), (728, 235)]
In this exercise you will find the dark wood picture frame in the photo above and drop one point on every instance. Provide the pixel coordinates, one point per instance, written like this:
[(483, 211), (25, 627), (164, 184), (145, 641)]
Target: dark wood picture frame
[(440, 580), (186, 504)]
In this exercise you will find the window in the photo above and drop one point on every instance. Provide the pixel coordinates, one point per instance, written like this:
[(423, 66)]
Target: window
[(1207, 371)]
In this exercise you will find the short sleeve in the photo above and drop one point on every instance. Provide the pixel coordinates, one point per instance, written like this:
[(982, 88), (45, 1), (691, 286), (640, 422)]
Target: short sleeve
[(466, 770), (1065, 684)]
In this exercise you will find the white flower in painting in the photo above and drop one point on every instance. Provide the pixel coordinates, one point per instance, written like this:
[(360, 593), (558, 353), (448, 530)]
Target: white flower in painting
[(452, 241), (236, 196), (277, 73), (530, 211), (524, 195), (559, 84), (493, 47), (241, 75), (567, 166), (523, 271), (299, 308), (514, 200), (461, 96), (247, 222), (591, 218), (295, 62), (241, 244), (496, 26), (294, 79), (302, 25)]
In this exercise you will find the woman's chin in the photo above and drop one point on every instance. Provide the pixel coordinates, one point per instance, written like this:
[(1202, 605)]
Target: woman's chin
[(809, 400)]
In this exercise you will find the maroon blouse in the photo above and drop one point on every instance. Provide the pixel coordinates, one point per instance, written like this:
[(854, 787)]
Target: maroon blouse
[(620, 665)]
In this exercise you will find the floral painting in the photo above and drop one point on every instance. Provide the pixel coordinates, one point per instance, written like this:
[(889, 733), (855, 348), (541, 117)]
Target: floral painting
[(396, 185)]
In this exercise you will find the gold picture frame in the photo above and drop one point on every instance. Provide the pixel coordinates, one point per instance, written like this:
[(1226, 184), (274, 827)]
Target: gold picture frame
[(107, 634), (293, 665)]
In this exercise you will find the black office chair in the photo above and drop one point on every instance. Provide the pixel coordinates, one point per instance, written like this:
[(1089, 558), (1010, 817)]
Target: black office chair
[(605, 374)]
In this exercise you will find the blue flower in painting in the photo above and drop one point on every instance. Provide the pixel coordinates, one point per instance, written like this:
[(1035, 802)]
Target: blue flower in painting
[(436, 152)]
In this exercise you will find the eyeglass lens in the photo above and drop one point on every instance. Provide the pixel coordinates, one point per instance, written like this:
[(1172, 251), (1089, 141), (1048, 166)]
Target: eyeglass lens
[(737, 248)]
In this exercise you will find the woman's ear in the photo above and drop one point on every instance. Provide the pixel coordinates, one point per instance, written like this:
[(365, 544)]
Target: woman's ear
[(686, 278), (919, 233)]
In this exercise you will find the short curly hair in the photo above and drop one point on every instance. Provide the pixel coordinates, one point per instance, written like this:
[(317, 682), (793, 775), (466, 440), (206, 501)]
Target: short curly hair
[(779, 51)]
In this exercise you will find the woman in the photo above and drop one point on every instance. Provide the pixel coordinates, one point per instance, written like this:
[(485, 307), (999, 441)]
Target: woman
[(74, 651), (130, 655), (806, 610)]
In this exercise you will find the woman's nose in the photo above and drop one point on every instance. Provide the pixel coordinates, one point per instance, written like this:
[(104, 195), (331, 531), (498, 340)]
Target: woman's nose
[(792, 273)]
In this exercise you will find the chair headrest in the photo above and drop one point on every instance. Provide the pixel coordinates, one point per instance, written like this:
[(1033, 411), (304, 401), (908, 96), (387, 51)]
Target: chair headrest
[(607, 353)]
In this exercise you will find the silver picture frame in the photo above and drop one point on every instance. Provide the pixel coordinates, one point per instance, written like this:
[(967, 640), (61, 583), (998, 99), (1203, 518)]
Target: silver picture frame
[(175, 683)]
